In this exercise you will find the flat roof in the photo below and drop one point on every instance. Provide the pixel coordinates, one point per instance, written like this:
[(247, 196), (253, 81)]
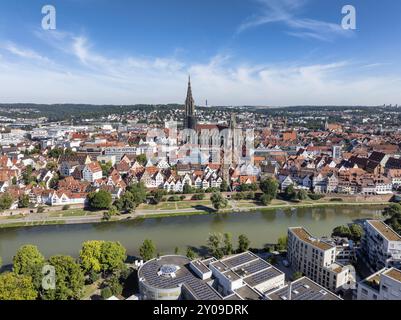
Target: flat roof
[(239, 259), (231, 275), (200, 266), (219, 266), (149, 274), (303, 289), (394, 274), (385, 230), (246, 293), (252, 267), (262, 276), (234, 296), (305, 236)]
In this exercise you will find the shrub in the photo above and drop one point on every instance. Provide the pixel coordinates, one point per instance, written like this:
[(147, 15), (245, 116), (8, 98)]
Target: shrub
[(336, 199), (93, 277), (40, 210), (66, 207), (198, 196), (314, 196), (106, 293), (174, 198)]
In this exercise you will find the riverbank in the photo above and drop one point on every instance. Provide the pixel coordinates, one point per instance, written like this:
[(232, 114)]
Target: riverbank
[(80, 216), (183, 230)]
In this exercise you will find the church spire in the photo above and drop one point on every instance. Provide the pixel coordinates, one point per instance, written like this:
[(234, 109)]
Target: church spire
[(190, 120)]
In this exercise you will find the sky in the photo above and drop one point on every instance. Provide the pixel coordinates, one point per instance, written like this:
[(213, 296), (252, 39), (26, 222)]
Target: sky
[(238, 52)]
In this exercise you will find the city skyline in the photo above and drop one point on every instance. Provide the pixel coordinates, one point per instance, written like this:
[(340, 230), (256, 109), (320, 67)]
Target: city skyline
[(255, 52)]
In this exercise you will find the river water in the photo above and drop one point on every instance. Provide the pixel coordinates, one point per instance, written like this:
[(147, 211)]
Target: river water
[(167, 233)]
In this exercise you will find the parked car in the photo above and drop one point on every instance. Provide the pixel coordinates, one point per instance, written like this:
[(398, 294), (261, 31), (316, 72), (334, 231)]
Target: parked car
[(286, 263)]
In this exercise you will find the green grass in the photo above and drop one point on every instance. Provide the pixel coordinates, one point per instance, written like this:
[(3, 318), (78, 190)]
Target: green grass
[(169, 215), (17, 216), (160, 206), (72, 213), (193, 204), (31, 224)]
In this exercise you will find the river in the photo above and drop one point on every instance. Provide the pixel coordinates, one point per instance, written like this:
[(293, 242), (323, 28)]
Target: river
[(168, 233)]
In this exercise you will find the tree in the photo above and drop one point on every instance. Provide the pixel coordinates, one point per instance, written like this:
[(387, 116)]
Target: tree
[(51, 165), (106, 167), (126, 202), (115, 285), (147, 250), (16, 287), (296, 275), (6, 201), (393, 212), (112, 257), (176, 250), (282, 243), (23, 201), (90, 256), (356, 231), (142, 159), (191, 254), (69, 279), (243, 243), (302, 195), (290, 193), (266, 199), (228, 246), (187, 189), (55, 153), (218, 201), (269, 186), (1, 262), (106, 293), (214, 244), (134, 196), (393, 209), (342, 231), (113, 211), (158, 196), (93, 277), (100, 200), (27, 175), (53, 183), (224, 186), (29, 261), (107, 256)]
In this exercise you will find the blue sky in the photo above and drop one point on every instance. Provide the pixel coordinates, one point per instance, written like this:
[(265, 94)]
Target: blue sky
[(238, 52)]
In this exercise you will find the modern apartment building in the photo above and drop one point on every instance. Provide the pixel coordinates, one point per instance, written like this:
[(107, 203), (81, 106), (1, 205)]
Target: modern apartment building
[(316, 259), (380, 245), (382, 285)]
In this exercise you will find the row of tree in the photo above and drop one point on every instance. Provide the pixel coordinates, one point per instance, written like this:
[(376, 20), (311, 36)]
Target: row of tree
[(218, 245)]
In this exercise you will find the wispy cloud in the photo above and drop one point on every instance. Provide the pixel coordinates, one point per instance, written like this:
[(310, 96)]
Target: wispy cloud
[(83, 74), (288, 13), (23, 52)]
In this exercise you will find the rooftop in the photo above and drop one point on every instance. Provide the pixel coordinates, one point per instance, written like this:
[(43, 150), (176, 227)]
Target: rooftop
[(247, 293), (305, 236), (302, 289), (385, 230), (394, 274), (150, 274)]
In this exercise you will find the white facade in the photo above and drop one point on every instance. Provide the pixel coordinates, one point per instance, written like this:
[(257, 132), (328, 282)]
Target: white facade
[(316, 259), (381, 245), (382, 285)]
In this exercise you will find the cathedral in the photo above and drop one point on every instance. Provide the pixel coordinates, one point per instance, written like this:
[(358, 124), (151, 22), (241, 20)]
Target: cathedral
[(190, 117)]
